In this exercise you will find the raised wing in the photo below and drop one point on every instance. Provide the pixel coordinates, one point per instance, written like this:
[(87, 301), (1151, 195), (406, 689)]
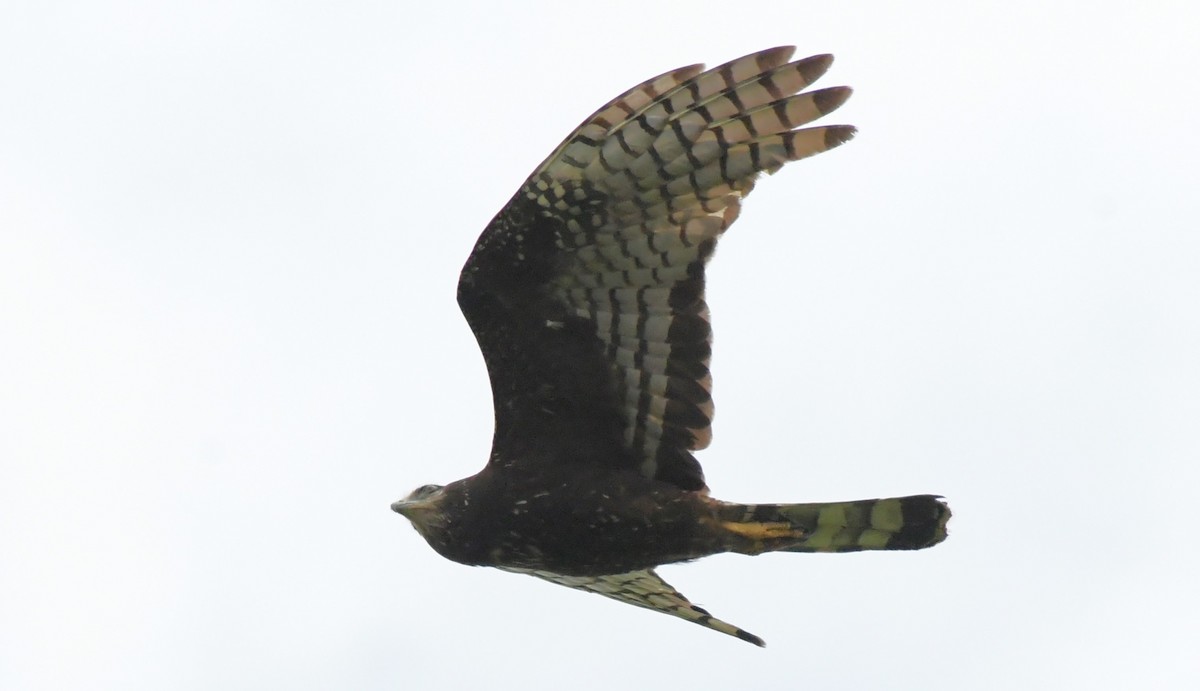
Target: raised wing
[(586, 292)]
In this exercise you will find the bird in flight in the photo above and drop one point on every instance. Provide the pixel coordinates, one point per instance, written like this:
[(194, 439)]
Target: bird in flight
[(586, 296)]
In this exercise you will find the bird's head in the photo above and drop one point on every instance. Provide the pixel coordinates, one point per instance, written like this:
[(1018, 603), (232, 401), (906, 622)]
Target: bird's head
[(424, 506)]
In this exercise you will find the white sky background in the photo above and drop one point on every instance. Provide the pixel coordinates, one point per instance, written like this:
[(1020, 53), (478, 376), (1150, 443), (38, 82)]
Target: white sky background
[(229, 238)]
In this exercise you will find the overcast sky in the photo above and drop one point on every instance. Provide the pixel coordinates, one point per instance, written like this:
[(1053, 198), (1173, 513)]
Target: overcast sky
[(229, 239)]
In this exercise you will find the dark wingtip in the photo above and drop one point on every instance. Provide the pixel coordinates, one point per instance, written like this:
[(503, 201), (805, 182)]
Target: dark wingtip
[(751, 638), (836, 135), (773, 57), (829, 100), (812, 67)]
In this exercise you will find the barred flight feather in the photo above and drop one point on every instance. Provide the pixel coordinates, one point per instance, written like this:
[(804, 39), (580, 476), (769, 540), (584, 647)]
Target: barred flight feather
[(644, 187), (647, 589)]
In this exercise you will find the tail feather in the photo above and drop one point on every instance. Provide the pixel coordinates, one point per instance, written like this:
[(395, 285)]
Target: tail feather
[(896, 523)]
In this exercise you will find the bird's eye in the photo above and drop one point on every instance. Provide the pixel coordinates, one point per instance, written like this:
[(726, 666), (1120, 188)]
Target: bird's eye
[(425, 491)]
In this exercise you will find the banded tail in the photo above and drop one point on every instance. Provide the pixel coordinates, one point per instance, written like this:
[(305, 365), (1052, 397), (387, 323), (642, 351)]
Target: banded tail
[(914, 522), (897, 523)]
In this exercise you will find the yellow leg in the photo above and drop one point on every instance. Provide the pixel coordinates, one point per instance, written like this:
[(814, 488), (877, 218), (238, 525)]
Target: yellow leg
[(765, 531)]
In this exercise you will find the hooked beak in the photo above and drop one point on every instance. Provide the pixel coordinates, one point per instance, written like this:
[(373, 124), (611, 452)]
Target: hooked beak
[(408, 507)]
